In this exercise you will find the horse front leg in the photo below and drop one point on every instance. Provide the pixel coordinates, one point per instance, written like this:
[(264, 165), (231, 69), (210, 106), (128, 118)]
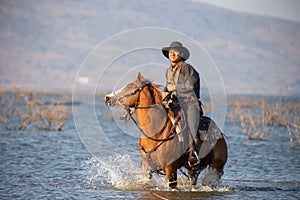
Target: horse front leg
[(171, 174), (193, 173), (193, 176), (147, 168)]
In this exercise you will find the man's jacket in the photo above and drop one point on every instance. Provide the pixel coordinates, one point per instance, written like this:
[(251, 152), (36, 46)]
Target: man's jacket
[(183, 80)]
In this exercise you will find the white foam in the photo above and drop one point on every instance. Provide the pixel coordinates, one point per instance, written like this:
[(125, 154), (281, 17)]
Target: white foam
[(124, 173)]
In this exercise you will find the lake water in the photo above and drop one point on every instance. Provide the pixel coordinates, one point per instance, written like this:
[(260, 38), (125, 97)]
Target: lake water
[(39, 164)]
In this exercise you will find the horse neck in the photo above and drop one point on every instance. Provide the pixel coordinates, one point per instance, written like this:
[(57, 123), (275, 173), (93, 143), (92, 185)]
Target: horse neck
[(150, 97), (151, 109)]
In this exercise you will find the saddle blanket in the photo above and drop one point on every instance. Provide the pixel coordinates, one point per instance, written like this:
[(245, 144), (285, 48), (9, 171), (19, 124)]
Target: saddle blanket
[(209, 130)]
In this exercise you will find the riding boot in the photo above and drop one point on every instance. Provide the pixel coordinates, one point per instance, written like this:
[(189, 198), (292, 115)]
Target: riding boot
[(193, 157)]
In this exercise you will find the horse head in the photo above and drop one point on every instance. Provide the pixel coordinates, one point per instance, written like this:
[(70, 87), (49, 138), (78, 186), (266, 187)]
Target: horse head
[(128, 95)]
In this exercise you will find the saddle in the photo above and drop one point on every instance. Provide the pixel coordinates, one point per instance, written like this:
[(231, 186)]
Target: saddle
[(208, 129), (208, 132)]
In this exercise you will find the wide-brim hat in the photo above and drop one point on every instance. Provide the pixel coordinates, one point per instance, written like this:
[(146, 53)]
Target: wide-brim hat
[(178, 46)]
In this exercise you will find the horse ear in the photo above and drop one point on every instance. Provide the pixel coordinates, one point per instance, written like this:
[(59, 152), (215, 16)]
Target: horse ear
[(140, 77)]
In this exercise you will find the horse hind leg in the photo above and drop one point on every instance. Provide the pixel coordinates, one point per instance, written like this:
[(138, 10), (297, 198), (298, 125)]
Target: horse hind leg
[(193, 177), (220, 157), (217, 162), (220, 174)]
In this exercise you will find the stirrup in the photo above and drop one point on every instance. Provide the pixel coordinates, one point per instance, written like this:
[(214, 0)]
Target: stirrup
[(197, 159)]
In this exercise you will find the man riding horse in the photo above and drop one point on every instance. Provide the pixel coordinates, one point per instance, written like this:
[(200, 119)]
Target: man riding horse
[(182, 93), (173, 145)]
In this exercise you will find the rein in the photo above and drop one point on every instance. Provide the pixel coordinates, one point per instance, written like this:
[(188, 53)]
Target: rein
[(169, 137), (139, 89)]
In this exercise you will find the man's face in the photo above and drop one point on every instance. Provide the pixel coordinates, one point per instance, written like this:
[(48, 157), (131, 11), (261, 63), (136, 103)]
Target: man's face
[(174, 55)]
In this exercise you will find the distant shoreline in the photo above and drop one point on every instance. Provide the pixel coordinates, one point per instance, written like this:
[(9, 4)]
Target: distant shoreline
[(204, 94), (45, 91)]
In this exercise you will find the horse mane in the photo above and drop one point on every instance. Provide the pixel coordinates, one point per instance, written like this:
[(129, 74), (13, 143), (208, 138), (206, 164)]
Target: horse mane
[(156, 93)]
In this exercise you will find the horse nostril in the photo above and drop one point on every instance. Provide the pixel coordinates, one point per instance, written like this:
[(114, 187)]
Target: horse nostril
[(106, 99), (110, 100)]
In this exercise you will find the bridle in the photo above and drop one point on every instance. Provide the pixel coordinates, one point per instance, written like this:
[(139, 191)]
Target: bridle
[(138, 90)]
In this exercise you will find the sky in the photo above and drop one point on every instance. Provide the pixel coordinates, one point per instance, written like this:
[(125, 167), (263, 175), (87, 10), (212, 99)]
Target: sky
[(286, 9)]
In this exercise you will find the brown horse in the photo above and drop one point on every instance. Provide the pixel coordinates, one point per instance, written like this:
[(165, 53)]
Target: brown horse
[(162, 147)]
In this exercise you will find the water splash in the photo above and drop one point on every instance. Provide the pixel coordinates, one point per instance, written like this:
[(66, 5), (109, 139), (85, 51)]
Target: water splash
[(123, 173), (211, 178)]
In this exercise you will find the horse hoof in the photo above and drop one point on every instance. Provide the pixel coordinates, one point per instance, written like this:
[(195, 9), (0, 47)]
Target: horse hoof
[(173, 184), (193, 188), (174, 189)]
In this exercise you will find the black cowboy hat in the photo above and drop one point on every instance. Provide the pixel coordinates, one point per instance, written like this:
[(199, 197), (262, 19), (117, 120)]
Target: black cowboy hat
[(179, 47)]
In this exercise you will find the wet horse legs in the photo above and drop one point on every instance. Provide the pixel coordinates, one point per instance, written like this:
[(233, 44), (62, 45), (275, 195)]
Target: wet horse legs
[(171, 174)]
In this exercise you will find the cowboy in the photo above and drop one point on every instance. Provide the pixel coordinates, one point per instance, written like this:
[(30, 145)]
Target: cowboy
[(183, 87)]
